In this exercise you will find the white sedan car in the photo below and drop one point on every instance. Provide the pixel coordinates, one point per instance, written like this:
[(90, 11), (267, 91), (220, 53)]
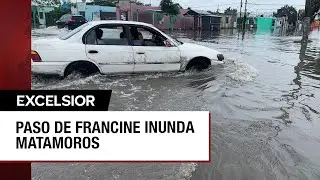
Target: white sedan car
[(118, 47)]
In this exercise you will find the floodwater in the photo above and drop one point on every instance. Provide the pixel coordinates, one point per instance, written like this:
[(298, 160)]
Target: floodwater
[(265, 104)]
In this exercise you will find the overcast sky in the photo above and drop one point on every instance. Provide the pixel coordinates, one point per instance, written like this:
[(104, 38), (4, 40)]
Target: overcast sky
[(254, 6)]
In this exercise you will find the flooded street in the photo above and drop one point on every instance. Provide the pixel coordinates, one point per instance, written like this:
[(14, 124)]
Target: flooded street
[(265, 105)]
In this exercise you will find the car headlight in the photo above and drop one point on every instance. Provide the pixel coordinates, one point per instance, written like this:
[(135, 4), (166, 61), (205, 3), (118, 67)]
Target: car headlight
[(220, 57)]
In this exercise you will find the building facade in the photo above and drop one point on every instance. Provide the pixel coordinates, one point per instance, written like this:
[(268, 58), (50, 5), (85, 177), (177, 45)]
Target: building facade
[(228, 21), (94, 12), (152, 15), (38, 15)]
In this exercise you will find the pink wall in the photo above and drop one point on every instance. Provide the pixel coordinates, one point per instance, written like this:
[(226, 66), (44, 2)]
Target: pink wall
[(146, 16)]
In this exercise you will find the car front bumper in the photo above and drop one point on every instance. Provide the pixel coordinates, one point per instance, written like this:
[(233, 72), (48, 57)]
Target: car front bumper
[(216, 62), (48, 68)]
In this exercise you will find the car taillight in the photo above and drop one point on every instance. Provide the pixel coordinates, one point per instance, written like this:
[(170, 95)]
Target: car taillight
[(35, 56), (85, 21)]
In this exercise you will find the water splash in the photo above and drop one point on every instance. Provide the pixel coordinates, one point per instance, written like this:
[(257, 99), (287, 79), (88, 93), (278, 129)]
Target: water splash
[(243, 72)]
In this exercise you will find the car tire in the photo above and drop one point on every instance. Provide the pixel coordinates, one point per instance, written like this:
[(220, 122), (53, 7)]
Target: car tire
[(83, 68), (198, 64)]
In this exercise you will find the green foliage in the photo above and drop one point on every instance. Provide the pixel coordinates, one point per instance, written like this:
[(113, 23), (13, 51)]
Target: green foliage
[(230, 11), (111, 3), (55, 15), (168, 7), (287, 11), (314, 10), (47, 2), (139, 3)]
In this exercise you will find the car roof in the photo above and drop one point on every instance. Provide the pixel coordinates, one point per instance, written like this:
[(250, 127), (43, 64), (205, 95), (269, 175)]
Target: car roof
[(118, 22)]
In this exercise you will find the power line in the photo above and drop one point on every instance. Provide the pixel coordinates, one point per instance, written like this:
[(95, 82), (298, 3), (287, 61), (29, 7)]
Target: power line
[(275, 4), (211, 5)]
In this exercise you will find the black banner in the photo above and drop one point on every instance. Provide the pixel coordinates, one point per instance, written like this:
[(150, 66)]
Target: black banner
[(55, 100)]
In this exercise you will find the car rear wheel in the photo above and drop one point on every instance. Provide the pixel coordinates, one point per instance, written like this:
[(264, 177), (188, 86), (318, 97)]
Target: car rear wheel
[(198, 64), (81, 67)]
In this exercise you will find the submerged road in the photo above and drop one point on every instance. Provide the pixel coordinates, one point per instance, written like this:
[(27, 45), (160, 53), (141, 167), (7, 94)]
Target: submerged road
[(265, 104)]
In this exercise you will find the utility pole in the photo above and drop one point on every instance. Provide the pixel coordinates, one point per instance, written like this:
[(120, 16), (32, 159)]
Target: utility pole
[(240, 14), (245, 15), (306, 21)]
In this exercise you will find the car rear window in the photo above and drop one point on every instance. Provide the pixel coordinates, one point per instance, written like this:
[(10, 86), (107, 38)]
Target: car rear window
[(73, 32), (65, 17), (78, 18)]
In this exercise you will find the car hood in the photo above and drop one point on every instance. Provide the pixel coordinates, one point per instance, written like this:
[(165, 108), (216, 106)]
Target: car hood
[(189, 47)]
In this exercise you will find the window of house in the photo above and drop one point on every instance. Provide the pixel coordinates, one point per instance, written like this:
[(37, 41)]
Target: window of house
[(107, 35), (143, 36), (41, 15), (227, 20)]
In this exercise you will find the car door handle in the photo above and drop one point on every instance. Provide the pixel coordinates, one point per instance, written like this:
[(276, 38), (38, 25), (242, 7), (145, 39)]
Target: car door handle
[(140, 52), (93, 52)]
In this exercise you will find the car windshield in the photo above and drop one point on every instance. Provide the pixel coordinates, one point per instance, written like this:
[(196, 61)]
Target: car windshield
[(73, 32), (177, 41)]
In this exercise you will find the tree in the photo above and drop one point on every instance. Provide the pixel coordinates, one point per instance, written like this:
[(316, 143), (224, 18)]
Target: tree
[(111, 3), (230, 11), (139, 3), (287, 11), (46, 2), (168, 7), (314, 9)]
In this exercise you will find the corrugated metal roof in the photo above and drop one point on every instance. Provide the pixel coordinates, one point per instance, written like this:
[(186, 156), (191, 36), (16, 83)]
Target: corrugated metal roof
[(202, 12), (152, 10)]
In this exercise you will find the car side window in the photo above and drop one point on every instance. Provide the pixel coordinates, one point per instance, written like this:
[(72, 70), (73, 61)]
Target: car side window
[(143, 36), (107, 35)]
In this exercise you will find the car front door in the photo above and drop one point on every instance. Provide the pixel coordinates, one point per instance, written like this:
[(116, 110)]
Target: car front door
[(109, 48), (152, 52)]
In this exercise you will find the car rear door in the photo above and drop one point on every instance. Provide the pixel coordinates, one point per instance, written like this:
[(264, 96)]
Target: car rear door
[(154, 57), (112, 53)]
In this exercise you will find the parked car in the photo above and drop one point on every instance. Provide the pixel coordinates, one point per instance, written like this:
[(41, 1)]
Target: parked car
[(71, 21), (76, 21), (61, 23), (118, 47)]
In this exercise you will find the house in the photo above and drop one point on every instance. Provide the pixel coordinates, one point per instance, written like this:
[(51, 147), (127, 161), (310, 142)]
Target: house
[(265, 23), (153, 15), (228, 21), (282, 23), (204, 20), (94, 12), (38, 14), (251, 21)]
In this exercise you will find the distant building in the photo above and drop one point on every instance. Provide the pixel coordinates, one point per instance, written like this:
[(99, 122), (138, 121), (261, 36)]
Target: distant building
[(265, 23), (228, 21), (153, 15), (251, 21), (94, 12), (38, 14), (204, 20)]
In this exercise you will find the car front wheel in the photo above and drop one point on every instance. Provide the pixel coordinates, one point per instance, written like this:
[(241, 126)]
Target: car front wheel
[(83, 68)]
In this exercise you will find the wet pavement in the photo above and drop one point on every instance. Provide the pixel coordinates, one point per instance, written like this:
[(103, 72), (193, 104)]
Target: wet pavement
[(265, 104)]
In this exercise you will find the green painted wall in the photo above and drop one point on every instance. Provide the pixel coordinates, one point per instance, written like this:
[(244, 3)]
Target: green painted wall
[(264, 22)]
